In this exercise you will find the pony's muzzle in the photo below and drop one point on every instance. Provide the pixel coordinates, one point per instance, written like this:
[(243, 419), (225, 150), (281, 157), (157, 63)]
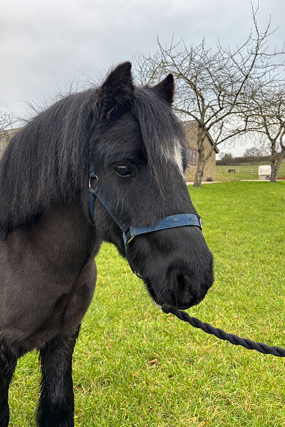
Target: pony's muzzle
[(185, 291)]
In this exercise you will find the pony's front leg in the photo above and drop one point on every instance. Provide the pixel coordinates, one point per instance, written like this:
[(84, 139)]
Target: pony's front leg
[(56, 407), (8, 362)]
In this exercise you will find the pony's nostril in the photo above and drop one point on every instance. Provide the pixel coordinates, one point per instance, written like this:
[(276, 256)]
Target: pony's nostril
[(184, 282), (183, 289), (187, 288)]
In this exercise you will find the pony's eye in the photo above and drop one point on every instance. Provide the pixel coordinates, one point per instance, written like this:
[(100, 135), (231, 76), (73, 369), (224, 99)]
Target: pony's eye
[(123, 170)]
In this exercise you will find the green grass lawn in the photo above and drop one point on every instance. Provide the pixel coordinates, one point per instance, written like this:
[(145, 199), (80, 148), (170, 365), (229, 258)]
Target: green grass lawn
[(135, 366), (241, 172)]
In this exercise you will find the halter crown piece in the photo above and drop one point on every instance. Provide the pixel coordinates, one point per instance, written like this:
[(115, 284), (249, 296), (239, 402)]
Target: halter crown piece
[(129, 233)]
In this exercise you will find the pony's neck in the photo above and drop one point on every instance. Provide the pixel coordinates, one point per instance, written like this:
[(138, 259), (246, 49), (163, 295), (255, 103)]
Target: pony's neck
[(65, 239)]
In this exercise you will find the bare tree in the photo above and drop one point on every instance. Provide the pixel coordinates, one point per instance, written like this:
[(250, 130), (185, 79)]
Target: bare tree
[(6, 122), (211, 84), (266, 115)]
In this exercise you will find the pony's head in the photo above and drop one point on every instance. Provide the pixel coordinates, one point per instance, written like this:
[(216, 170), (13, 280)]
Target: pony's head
[(134, 148), (137, 160)]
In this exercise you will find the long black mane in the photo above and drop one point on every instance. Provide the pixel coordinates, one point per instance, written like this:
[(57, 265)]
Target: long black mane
[(46, 162)]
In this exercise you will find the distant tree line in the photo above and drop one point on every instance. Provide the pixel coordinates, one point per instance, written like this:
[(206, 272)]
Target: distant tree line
[(229, 160), (252, 155)]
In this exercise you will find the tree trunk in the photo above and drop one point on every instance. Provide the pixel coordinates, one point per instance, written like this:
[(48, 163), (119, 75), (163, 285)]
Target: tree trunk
[(276, 159), (199, 173), (200, 158)]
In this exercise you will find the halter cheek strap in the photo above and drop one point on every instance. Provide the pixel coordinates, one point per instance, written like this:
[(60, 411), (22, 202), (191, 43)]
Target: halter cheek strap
[(129, 233)]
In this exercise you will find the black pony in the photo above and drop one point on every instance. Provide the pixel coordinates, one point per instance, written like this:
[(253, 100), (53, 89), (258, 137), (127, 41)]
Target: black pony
[(96, 166)]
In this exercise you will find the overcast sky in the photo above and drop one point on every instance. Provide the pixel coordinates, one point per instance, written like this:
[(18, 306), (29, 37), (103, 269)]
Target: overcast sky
[(47, 45)]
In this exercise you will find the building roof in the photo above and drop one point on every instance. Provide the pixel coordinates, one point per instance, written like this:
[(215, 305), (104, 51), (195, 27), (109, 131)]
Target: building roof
[(190, 124)]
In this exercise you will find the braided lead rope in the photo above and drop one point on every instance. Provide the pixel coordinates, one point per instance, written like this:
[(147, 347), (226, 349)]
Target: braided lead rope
[(222, 335)]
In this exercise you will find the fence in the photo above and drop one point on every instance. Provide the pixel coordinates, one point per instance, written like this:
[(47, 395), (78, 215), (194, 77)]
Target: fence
[(243, 169)]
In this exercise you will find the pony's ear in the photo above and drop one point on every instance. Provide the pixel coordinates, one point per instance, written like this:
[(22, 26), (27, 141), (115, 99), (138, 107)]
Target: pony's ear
[(116, 92), (166, 89)]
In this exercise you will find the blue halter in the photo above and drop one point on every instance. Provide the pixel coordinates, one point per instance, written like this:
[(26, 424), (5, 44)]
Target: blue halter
[(129, 233)]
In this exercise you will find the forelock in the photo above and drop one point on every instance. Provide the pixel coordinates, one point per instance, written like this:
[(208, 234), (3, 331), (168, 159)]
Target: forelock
[(161, 130)]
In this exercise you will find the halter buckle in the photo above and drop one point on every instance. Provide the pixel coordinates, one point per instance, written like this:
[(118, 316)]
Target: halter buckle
[(130, 239)]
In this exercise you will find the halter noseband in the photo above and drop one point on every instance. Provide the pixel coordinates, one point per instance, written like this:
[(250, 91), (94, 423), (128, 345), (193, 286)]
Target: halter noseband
[(129, 233)]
